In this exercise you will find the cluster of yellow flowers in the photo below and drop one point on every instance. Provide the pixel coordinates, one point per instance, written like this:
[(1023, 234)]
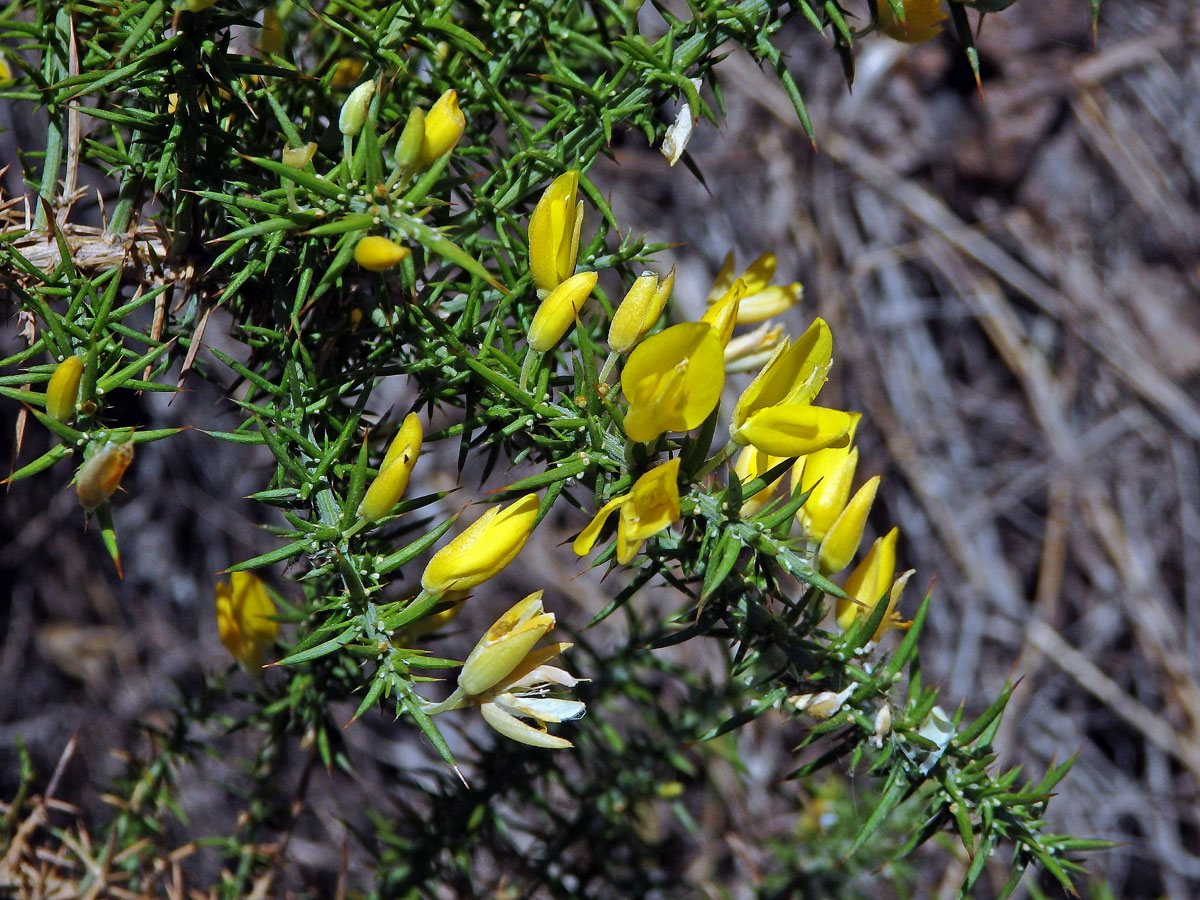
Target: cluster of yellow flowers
[(671, 381)]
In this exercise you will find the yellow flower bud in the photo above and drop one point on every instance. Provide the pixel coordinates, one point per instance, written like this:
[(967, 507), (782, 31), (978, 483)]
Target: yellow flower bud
[(640, 309), (408, 148), (346, 72), (922, 20), (378, 253), (354, 110), (483, 549), (841, 543), (299, 157), (869, 580), (559, 310), (100, 475), (505, 645), (827, 477), (244, 619), (672, 380), (63, 390), (554, 232), (389, 485), (444, 125)]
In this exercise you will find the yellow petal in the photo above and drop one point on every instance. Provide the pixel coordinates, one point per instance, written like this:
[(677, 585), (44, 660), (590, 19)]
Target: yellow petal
[(750, 464), (869, 579), (795, 430), (554, 232), (922, 20), (587, 538), (62, 392), (378, 253), (444, 126), (559, 310), (770, 301), (505, 645), (672, 381), (513, 728), (407, 442), (483, 549), (653, 503), (794, 374), (840, 545), (723, 315), (828, 476)]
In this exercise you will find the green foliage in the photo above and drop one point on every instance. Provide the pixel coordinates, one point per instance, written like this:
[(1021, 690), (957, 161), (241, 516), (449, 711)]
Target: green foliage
[(188, 121)]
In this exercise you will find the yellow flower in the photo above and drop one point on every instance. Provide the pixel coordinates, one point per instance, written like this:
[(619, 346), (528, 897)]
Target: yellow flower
[(775, 413), (507, 678), (558, 311), (444, 126), (841, 543), (751, 464), (762, 299), (389, 485), (826, 476), (483, 549), (794, 374), (640, 309), (672, 380), (63, 390), (505, 645), (922, 20), (354, 110), (244, 619), (870, 578), (554, 232), (100, 475), (649, 507), (346, 72), (868, 583), (378, 253)]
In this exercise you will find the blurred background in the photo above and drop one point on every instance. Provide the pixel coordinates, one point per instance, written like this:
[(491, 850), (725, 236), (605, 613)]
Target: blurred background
[(1011, 276)]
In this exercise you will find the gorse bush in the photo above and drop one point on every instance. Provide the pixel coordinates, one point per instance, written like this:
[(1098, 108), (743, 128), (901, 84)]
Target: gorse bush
[(370, 190)]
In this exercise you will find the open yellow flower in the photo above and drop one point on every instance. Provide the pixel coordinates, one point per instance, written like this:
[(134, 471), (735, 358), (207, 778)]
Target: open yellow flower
[(389, 485), (761, 299), (554, 232), (244, 619), (794, 374), (640, 309), (922, 20), (649, 507), (489, 544), (672, 380)]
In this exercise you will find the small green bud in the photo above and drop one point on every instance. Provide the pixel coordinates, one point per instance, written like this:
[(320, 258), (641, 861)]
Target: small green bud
[(411, 139), (354, 110)]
